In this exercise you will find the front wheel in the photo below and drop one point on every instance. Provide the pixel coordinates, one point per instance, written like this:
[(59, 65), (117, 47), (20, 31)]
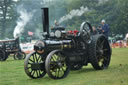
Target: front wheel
[(34, 65), (57, 65)]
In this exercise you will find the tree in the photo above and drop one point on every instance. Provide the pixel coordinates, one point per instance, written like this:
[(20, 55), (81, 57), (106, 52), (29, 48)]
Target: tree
[(7, 15)]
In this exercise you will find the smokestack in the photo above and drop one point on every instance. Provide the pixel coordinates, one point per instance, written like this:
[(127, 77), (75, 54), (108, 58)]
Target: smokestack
[(45, 20)]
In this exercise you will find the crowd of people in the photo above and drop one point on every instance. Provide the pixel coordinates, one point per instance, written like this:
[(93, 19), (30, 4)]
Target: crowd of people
[(120, 44)]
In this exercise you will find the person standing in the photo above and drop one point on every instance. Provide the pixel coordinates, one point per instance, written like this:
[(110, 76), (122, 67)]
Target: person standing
[(105, 28), (56, 23), (99, 29), (94, 30)]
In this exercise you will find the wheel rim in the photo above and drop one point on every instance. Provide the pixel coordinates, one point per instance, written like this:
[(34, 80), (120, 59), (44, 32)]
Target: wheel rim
[(56, 65), (19, 55), (103, 52), (34, 65), (24, 55)]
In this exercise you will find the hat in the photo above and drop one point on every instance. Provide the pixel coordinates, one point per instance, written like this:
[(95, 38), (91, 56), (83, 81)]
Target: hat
[(103, 21)]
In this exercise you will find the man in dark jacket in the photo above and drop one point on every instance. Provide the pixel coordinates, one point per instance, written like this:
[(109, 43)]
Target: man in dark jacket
[(105, 28)]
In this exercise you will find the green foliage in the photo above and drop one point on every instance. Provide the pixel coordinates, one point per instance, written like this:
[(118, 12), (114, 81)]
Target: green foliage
[(115, 12), (7, 15)]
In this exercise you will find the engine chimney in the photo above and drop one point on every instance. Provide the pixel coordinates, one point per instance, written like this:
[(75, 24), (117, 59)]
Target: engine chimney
[(45, 20)]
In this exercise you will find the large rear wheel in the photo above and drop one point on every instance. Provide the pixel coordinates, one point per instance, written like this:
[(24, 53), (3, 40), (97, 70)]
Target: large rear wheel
[(57, 65), (99, 52)]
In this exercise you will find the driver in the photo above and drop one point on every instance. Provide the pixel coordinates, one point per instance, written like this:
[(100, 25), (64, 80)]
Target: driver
[(105, 28), (56, 23)]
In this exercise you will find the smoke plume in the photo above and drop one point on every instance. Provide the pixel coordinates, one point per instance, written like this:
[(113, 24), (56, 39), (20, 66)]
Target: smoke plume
[(22, 21), (73, 13)]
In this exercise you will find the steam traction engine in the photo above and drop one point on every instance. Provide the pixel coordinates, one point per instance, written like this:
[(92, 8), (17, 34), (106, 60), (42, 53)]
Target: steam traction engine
[(11, 46), (61, 51)]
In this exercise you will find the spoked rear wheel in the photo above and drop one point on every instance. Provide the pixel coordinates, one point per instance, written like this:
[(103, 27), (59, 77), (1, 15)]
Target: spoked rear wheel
[(100, 52), (57, 65), (34, 65)]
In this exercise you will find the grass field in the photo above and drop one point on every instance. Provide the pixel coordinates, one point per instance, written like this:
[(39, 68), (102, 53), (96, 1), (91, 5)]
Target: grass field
[(12, 73)]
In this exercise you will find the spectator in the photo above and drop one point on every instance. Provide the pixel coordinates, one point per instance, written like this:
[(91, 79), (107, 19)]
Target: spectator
[(105, 28), (99, 29), (125, 44), (94, 30), (120, 44)]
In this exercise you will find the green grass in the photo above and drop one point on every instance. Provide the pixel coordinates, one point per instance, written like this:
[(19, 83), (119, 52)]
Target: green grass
[(12, 73)]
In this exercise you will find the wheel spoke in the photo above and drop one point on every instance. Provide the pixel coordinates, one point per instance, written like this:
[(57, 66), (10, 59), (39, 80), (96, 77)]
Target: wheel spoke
[(28, 67), (38, 58), (31, 60), (63, 69), (101, 62), (105, 49), (53, 65), (34, 58), (106, 59), (98, 47), (102, 42), (37, 73), (40, 72), (33, 73), (55, 57)]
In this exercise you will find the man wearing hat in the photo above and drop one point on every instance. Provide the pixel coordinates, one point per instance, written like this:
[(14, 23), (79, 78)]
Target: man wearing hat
[(105, 28)]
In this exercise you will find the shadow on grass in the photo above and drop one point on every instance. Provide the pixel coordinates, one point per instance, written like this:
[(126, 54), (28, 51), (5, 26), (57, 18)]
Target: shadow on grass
[(46, 78), (83, 70)]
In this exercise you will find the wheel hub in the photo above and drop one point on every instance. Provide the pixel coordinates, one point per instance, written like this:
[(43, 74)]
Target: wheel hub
[(101, 52), (59, 64)]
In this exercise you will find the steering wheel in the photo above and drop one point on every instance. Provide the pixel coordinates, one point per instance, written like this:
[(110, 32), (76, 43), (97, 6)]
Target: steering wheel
[(86, 31)]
